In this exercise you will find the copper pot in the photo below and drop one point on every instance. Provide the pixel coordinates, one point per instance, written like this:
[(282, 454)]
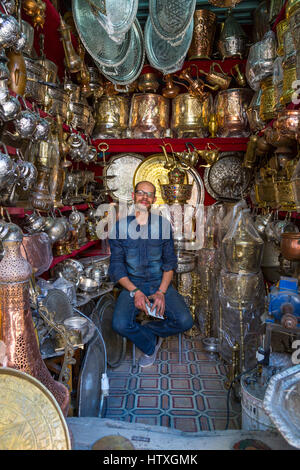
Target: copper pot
[(290, 246), (149, 115), (231, 107)]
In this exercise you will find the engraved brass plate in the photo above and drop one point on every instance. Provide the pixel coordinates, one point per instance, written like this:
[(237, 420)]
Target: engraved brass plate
[(152, 169), (30, 417)]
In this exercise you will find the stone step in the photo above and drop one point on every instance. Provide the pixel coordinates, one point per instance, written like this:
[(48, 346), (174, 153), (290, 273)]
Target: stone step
[(86, 431)]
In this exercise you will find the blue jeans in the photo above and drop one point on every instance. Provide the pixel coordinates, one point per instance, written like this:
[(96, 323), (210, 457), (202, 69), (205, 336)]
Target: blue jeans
[(177, 318)]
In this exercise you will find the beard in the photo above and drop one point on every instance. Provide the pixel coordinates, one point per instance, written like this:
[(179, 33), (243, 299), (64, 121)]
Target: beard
[(141, 207)]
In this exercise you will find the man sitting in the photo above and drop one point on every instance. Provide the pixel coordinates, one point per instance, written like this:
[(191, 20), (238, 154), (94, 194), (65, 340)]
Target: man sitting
[(142, 261)]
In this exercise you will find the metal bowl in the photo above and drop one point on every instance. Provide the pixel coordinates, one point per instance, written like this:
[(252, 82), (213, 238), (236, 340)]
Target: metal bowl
[(87, 285)]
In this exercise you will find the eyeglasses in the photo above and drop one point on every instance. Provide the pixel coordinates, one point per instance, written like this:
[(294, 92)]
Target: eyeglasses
[(140, 192)]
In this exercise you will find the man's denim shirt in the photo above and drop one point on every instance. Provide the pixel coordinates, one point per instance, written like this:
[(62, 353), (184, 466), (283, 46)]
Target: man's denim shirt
[(141, 252)]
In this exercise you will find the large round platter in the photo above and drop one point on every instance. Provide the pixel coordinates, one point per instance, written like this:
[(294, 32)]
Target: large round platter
[(227, 179), (114, 343), (30, 417), (162, 55), (282, 403), (116, 17), (152, 169), (129, 70), (95, 39), (171, 19), (90, 402), (123, 166)]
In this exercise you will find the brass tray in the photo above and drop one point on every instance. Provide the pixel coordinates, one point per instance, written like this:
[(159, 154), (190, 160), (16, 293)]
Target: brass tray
[(152, 169), (122, 166), (30, 417), (227, 179)]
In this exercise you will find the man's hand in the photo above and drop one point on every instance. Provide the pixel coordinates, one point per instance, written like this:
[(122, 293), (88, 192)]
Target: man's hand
[(159, 303), (140, 301)]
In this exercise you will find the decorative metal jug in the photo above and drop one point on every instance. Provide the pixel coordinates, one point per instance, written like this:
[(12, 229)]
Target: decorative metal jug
[(17, 330)]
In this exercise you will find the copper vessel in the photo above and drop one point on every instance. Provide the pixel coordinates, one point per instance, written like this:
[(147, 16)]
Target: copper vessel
[(16, 66), (205, 23), (148, 83), (267, 100), (149, 115), (196, 87), (190, 115), (170, 90), (111, 115), (17, 330), (290, 246), (231, 106)]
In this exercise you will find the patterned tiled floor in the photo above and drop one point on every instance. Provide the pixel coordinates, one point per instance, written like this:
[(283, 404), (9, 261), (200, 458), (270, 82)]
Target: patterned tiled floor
[(189, 396)]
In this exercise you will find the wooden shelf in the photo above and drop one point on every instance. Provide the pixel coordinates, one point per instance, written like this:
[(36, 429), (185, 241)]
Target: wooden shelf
[(178, 145)]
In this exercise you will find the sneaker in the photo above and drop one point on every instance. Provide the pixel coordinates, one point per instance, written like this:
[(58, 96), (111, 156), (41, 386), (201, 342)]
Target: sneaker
[(145, 360)]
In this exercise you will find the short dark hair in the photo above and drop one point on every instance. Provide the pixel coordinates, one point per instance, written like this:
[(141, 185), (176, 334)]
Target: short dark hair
[(149, 182)]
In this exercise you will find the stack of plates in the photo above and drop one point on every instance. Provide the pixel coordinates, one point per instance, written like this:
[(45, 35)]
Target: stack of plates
[(168, 33), (120, 61)]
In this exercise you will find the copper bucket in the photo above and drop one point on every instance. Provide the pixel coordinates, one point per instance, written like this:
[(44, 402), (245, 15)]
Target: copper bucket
[(231, 111), (190, 115), (111, 116), (149, 115), (205, 23)]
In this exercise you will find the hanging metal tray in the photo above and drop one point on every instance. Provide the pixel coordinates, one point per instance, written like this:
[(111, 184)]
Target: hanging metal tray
[(152, 169), (116, 17), (115, 344), (162, 55), (282, 403), (171, 18), (31, 418), (129, 70), (123, 166), (90, 402), (227, 179), (95, 39)]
